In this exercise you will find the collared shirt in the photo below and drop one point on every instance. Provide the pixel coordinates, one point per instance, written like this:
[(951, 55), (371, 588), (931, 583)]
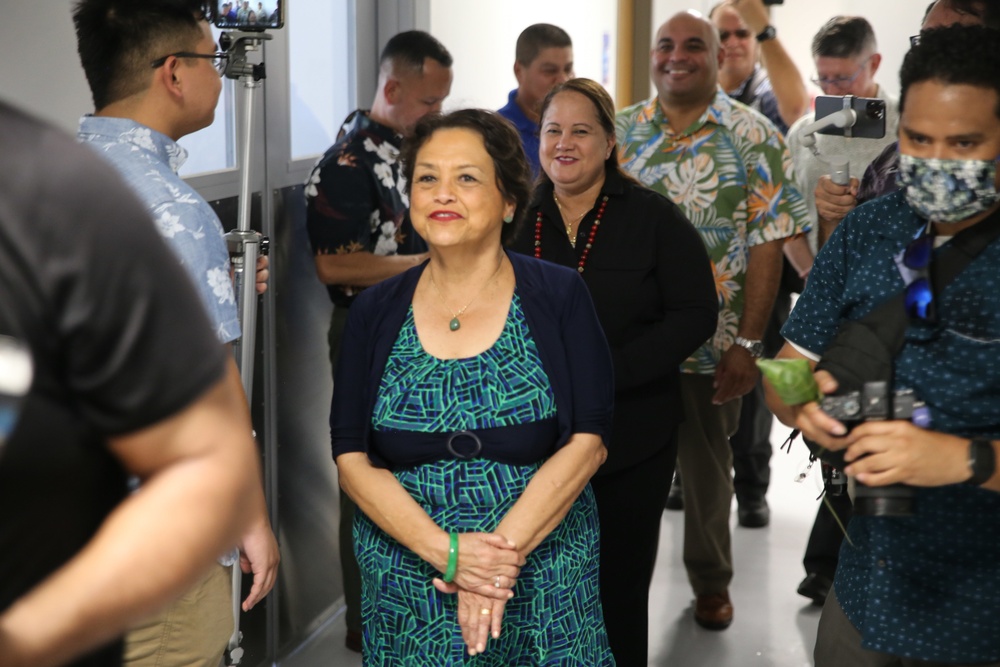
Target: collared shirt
[(148, 161), (731, 174), (356, 200), (859, 151), (527, 128), (923, 587), (756, 92)]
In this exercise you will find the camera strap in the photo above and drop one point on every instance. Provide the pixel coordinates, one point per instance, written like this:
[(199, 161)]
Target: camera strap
[(888, 321)]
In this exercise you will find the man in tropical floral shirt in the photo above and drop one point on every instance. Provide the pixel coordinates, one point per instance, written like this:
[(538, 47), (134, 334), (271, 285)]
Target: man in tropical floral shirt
[(356, 214), (728, 168)]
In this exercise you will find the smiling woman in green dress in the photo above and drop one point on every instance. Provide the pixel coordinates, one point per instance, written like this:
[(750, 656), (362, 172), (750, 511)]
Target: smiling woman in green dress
[(472, 406)]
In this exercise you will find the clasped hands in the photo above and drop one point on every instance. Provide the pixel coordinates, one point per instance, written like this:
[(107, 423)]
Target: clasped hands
[(879, 453), (488, 566)]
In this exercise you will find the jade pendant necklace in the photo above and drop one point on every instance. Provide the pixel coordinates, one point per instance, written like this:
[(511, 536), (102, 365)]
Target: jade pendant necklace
[(455, 324)]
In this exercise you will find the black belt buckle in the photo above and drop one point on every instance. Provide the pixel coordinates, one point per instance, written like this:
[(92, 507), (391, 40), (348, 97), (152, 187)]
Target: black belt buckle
[(450, 444)]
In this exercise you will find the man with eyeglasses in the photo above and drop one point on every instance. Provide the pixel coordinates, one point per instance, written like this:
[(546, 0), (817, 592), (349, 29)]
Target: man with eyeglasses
[(834, 201), (747, 38), (846, 57), (921, 589), (155, 77)]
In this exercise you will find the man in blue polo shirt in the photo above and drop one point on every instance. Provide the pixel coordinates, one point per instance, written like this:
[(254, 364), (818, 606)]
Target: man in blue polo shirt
[(543, 59), (922, 589)]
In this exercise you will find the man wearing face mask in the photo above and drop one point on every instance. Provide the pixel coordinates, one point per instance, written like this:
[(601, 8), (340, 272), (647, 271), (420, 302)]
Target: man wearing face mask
[(920, 590)]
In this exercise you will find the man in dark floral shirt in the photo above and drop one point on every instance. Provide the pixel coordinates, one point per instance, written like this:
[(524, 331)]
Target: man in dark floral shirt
[(356, 213)]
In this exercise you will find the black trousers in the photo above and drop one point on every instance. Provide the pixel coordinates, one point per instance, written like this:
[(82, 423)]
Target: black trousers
[(752, 448), (630, 506), (823, 548)]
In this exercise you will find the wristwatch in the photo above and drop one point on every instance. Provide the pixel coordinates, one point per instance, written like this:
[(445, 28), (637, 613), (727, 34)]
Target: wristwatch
[(754, 347), (982, 461), (767, 33)]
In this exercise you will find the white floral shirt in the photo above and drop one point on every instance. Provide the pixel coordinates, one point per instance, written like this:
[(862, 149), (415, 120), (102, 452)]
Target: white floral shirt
[(148, 161), (356, 198)]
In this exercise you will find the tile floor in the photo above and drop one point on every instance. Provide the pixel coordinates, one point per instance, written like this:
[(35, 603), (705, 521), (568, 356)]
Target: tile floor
[(773, 626)]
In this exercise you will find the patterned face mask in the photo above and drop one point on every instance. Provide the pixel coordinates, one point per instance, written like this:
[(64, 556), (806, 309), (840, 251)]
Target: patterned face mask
[(948, 190)]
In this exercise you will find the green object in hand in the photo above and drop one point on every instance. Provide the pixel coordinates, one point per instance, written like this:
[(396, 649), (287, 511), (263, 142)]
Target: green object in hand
[(792, 379)]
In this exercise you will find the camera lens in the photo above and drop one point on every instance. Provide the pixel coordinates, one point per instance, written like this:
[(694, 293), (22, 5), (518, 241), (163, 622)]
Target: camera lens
[(875, 109)]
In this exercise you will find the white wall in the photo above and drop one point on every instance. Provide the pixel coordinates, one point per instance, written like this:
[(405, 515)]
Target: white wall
[(481, 36), (798, 20)]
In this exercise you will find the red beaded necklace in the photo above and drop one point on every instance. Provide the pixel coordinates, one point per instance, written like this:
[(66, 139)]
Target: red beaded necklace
[(590, 235)]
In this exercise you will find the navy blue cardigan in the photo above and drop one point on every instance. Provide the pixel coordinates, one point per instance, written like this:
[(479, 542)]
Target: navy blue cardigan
[(560, 316)]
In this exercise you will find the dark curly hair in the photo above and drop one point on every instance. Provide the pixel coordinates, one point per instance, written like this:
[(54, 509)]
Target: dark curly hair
[(502, 143), (957, 55)]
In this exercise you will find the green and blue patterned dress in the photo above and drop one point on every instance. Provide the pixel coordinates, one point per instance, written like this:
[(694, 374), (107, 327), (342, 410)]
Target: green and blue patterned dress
[(555, 617)]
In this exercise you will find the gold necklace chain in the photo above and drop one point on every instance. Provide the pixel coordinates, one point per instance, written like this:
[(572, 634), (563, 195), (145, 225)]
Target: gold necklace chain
[(454, 324), (568, 225)]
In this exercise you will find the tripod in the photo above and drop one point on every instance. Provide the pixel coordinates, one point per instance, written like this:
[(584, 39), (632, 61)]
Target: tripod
[(245, 246)]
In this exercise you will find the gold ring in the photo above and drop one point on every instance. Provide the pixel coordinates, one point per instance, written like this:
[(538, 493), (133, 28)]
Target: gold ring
[(485, 612)]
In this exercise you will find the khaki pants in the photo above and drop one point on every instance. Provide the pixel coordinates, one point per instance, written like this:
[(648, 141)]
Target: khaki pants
[(192, 632), (705, 461)]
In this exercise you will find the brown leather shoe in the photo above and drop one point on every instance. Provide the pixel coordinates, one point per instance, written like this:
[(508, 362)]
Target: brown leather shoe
[(713, 611)]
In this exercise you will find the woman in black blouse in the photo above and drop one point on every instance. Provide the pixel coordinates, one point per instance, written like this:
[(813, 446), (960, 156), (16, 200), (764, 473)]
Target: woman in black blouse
[(651, 282)]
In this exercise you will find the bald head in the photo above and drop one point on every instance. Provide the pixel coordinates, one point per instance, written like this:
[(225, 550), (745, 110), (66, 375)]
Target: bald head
[(685, 60)]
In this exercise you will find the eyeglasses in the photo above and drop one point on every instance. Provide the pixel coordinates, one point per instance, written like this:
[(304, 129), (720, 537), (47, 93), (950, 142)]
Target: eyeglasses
[(841, 82), (219, 59), (742, 33), (919, 292), (914, 40)]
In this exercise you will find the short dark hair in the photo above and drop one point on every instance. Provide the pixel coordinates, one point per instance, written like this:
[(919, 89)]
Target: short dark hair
[(957, 55), (411, 48), (537, 37), (503, 144), (604, 108), (844, 37), (117, 40)]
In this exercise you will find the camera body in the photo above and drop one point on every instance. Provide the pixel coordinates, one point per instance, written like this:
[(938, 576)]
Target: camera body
[(876, 402)]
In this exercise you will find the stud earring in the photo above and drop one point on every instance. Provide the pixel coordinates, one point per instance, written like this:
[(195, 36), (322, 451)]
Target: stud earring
[(509, 218)]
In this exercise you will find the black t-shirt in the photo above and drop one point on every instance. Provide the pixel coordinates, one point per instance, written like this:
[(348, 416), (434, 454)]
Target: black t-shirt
[(117, 335)]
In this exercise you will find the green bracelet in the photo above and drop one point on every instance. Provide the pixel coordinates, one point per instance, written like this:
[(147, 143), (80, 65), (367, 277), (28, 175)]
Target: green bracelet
[(449, 574)]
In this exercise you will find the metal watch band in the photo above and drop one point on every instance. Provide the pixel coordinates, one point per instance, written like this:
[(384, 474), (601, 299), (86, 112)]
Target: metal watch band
[(982, 461), (754, 347)]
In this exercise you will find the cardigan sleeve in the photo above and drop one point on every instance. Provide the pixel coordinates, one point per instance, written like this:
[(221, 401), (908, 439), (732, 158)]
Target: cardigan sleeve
[(591, 380), (349, 412)]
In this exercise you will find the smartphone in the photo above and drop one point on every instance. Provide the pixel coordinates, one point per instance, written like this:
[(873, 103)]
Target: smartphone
[(871, 115), (250, 15)]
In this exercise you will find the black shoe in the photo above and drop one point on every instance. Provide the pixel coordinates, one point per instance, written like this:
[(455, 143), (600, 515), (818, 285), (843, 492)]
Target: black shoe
[(815, 587), (753, 513), (353, 641), (675, 499)]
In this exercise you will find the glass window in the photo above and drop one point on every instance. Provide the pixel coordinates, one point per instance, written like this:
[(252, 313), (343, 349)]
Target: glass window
[(320, 63)]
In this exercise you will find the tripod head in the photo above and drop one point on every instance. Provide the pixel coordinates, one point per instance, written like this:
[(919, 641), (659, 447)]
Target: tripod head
[(236, 45)]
